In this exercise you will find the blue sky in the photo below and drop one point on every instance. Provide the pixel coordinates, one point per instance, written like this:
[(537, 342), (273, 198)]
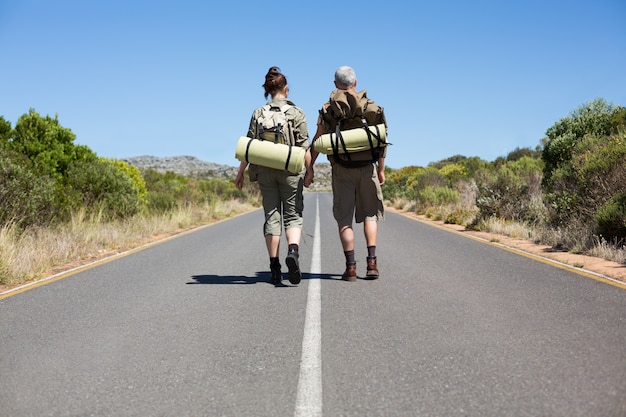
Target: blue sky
[(168, 78)]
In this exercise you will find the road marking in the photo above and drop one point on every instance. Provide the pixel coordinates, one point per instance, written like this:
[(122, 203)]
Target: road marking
[(309, 396)]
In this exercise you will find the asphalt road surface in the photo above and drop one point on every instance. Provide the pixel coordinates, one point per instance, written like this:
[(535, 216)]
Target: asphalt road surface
[(192, 327)]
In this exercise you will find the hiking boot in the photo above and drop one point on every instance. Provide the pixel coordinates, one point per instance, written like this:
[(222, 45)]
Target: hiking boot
[(372, 268), (350, 272), (294, 267), (277, 275)]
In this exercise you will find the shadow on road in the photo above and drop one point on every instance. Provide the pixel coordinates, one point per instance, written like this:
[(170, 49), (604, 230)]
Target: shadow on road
[(259, 277)]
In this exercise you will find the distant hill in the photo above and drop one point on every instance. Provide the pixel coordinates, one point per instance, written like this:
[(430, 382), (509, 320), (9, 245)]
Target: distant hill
[(190, 166)]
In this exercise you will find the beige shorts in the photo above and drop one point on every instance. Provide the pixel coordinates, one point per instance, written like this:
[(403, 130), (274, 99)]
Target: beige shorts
[(356, 195)]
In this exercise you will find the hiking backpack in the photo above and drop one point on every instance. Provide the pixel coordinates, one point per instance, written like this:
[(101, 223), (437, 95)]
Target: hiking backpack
[(351, 111), (274, 125)]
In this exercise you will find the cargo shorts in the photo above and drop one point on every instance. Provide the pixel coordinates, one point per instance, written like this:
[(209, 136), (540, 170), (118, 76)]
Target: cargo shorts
[(356, 195), (281, 192)]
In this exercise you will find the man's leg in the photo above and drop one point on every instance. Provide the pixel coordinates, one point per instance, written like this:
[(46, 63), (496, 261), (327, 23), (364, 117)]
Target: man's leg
[(370, 228), (346, 235), (344, 190)]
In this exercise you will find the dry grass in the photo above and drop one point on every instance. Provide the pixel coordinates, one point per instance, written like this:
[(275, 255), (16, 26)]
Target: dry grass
[(507, 228), (402, 204), (575, 240), (615, 251), (36, 252)]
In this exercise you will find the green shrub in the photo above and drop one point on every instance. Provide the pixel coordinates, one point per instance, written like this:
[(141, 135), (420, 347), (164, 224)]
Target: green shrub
[(159, 203), (134, 174), (395, 187), (512, 191), (453, 173), (5, 132), (471, 165), (426, 177), (168, 190), (437, 196), (519, 153), (26, 198), (568, 147), (595, 173), (100, 186), (611, 219), (220, 189)]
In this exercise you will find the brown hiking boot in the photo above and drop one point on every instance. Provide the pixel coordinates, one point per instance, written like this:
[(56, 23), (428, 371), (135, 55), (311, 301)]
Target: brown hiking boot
[(372, 268), (350, 272)]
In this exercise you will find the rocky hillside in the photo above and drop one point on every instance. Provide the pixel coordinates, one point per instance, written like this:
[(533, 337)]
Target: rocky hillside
[(190, 166)]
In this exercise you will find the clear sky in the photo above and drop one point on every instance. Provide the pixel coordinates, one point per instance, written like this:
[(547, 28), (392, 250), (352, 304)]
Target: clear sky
[(168, 78)]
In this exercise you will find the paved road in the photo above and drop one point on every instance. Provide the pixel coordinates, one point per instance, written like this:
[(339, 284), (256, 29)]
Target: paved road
[(190, 327)]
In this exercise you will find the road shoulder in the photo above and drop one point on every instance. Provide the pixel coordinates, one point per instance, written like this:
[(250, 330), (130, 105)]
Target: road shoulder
[(607, 269)]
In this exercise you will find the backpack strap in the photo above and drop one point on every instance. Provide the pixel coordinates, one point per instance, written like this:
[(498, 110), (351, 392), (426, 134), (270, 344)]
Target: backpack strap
[(289, 133), (288, 159), (248, 150), (261, 131), (284, 109), (335, 144)]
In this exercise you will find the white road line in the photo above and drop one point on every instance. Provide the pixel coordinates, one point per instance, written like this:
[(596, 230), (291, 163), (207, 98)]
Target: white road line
[(309, 397)]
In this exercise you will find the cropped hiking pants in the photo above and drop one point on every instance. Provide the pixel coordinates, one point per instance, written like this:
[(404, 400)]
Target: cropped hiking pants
[(282, 199)]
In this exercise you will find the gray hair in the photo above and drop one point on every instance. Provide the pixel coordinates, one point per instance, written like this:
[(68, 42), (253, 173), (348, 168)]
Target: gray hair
[(345, 76)]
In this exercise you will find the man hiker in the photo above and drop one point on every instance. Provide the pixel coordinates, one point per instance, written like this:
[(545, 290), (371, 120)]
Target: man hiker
[(356, 177)]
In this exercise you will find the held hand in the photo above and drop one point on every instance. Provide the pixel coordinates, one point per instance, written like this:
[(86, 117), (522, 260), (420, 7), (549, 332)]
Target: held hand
[(308, 177), (381, 177)]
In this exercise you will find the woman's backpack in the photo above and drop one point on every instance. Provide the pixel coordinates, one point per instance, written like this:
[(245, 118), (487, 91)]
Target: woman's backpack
[(274, 125)]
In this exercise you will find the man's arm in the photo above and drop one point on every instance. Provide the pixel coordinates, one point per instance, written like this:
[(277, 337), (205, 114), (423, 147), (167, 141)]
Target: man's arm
[(381, 170)]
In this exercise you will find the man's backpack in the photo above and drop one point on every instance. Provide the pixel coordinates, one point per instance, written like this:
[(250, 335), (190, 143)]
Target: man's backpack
[(351, 111), (273, 125)]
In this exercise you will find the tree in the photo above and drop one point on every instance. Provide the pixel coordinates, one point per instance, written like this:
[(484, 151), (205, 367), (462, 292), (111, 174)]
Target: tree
[(593, 118), (5, 132), (49, 146)]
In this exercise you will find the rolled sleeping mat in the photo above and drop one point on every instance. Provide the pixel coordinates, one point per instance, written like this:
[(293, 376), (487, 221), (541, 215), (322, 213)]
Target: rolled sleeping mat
[(270, 154), (355, 140)]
